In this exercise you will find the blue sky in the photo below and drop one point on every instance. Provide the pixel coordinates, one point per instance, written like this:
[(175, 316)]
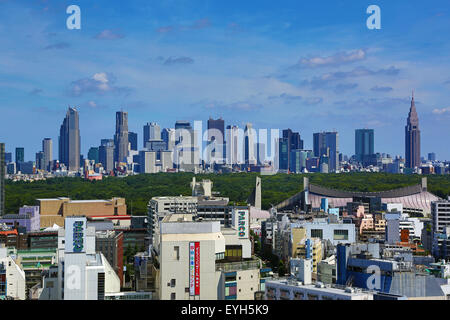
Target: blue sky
[(307, 65)]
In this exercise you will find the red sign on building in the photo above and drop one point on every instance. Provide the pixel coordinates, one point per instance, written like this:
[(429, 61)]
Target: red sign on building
[(197, 268)]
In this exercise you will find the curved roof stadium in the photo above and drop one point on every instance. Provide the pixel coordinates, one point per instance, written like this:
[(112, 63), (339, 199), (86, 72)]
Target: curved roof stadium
[(412, 197)]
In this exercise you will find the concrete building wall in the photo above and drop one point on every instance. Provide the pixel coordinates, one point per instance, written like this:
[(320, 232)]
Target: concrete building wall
[(55, 210)]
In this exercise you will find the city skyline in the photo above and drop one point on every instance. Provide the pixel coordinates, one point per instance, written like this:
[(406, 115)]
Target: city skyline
[(279, 68)]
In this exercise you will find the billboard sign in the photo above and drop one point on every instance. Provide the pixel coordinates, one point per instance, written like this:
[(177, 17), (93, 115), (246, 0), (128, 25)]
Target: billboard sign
[(75, 235), (241, 220), (194, 268)]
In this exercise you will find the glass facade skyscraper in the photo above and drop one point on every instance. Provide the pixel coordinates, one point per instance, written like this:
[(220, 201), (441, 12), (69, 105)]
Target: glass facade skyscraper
[(69, 141), (364, 144)]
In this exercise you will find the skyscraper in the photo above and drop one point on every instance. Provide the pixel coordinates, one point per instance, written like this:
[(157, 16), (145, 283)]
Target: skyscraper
[(152, 131), (364, 144), (2, 179), (47, 148), (293, 143), (40, 165), (20, 155), (69, 141), (106, 154), (216, 135), (121, 137), (326, 146), (249, 144), (93, 154), (168, 136), (232, 145), (412, 138), (133, 140), (283, 153)]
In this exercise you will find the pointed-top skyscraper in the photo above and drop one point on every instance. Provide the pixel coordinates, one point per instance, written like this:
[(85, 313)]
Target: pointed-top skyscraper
[(412, 138)]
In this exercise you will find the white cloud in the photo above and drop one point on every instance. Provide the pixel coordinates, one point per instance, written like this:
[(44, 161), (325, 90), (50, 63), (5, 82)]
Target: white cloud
[(442, 111)]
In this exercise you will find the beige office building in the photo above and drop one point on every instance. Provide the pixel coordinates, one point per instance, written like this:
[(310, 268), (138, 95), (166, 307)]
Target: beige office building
[(53, 211)]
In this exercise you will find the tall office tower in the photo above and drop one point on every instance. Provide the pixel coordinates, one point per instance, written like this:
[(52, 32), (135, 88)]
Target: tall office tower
[(69, 141), (287, 136), (20, 155), (152, 131), (47, 148), (179, 126), (8, 157), (187, 153), (294, 143), (133, 140), (260, 153), (431, 156), (216, 135), (249, 144), (326, 144), (2, 179), (168, 136), (93, 154), (412, 138), (364, 144), (283, 154), (232, 145), (40, 160), (121, 137), (106, 154)]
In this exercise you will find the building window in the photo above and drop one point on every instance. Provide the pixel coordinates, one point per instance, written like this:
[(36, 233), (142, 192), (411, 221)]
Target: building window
[(172, 296), (317, 233), (176, 253), (340, 235), (172, 283)]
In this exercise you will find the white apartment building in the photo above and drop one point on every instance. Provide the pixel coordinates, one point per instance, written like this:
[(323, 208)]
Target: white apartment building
[(200, 260), (159, 207), (12, 278), (440, 220), (187, 253), (81, 273)]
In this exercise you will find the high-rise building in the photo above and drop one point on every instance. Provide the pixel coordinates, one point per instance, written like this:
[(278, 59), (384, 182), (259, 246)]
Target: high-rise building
[(412, 138), (283, 154), (249, 144), (326, 144), (20, 155), (152, 131), (93, 154), (232, 145), (69, 141), (187, 154), (364, 144), (40, 163), (294, 143), (216, 136), (133, 140), (8, 157), (432, 156), (106, 154), (168, 136), (47, 148), (2, 179), (121, 137)]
